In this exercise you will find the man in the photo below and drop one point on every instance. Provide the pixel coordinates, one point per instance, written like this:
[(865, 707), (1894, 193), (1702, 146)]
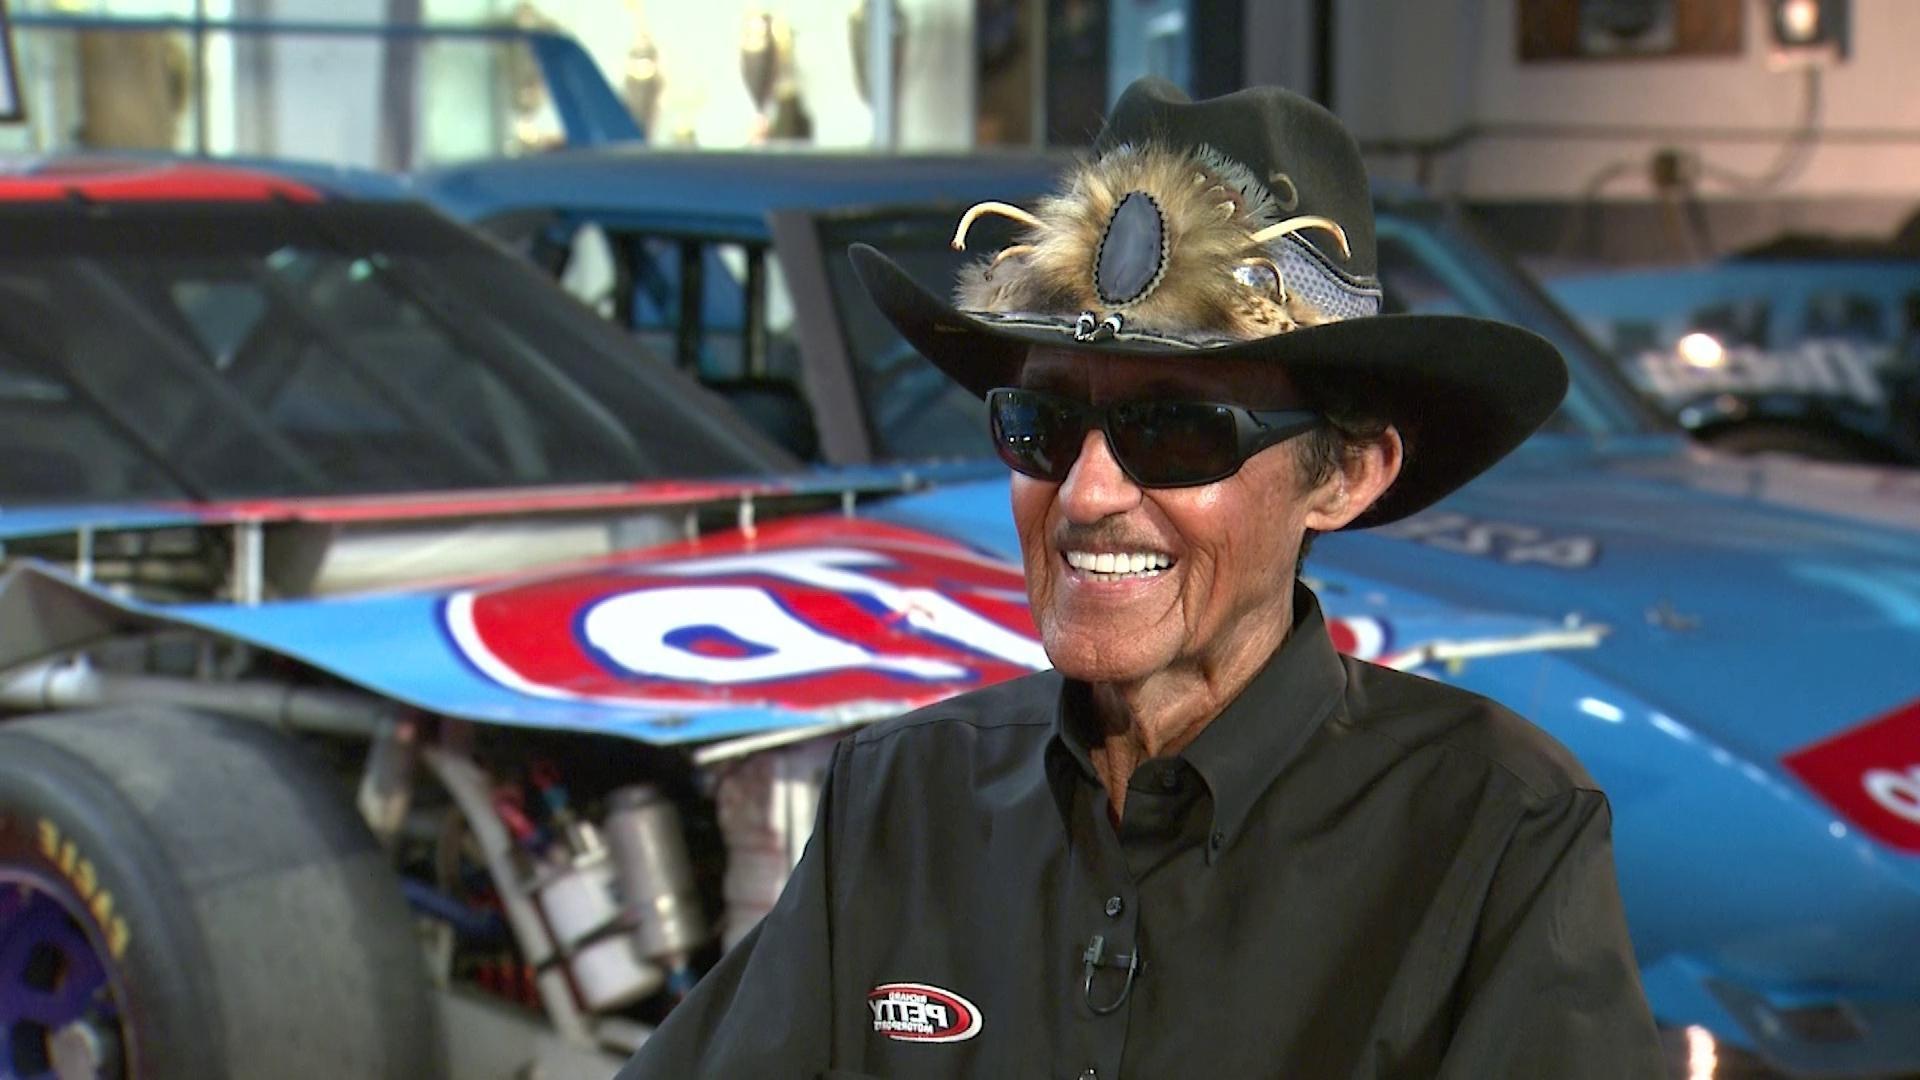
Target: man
[(1205, 844)]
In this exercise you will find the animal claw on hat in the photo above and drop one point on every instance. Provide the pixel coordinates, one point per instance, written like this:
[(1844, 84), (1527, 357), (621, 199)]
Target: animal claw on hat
[(1005, 210), (1305, 221), (1279, 279), (1005, 254)]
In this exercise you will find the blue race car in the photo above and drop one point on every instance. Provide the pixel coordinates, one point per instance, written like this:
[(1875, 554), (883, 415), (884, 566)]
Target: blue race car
[(1799, 348), (360, 593), (1731, 645)]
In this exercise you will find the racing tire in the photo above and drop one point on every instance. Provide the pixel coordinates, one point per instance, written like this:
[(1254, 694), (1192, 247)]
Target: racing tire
[(244, 920)]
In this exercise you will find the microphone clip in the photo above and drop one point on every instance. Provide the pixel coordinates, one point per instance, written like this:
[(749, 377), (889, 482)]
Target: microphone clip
[(1095, 958)]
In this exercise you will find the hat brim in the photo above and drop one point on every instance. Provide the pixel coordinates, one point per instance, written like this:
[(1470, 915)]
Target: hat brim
[(1464, 391)]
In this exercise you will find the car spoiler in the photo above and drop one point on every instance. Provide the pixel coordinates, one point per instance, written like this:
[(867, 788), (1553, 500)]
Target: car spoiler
[(81, 532)]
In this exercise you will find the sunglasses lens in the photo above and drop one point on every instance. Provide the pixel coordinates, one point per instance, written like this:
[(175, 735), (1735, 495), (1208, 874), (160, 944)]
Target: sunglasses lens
[(1174, 444), (1036, 434)]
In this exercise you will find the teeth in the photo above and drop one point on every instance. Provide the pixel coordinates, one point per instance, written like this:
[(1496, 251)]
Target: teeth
[(1118, 563)]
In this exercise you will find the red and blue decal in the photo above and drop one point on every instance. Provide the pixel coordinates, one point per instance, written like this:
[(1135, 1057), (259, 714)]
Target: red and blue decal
[(1362, 637), (808, 615), (1871, 774)]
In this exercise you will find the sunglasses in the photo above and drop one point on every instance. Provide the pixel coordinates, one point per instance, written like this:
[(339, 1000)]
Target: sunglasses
[(1158, 444)]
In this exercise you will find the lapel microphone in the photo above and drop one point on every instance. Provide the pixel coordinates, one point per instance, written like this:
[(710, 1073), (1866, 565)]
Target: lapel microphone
[(1096, 958)]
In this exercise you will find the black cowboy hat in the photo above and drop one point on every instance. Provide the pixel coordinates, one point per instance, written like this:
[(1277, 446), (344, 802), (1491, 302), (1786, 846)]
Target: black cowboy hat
[(1169, 243)]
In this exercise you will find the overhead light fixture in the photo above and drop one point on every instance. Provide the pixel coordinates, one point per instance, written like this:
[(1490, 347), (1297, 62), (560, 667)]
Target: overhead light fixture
[(1805, 32)]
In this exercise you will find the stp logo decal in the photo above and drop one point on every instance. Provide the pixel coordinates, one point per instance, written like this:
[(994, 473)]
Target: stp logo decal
[(916, 1012), (810, 614), (1872, 775)]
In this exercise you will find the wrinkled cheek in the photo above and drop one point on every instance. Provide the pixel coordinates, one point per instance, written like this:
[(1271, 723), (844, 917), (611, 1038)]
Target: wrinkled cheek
[(1030, 501), (1200, 600)]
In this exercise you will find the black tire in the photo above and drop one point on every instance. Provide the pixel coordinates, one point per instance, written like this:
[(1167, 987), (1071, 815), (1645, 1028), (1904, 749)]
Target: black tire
[(1802, 442), (263, 933)]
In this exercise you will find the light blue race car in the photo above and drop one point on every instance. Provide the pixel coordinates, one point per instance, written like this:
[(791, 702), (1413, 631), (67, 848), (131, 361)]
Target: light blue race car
[(1798, 347)]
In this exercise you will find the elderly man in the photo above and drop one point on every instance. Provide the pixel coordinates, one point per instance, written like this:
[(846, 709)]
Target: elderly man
[(1204, 844)]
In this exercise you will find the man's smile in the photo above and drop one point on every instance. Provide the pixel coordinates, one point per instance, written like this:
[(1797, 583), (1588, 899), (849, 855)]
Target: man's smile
[(1117, 565)]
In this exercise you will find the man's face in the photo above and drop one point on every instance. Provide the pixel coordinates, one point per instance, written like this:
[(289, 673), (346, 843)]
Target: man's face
[(1225, 551)]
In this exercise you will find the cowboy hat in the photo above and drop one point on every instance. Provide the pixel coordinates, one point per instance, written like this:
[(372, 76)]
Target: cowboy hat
[(1238, 226)]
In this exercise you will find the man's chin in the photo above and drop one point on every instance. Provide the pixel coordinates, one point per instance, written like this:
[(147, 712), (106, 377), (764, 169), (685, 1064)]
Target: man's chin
[(1103, 659)]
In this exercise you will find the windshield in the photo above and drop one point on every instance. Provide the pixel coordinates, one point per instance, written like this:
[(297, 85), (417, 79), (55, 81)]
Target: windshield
[(1428, 263), (277, 349)]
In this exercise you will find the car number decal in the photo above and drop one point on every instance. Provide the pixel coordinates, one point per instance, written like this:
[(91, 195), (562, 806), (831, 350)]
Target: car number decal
[(1507, 542)]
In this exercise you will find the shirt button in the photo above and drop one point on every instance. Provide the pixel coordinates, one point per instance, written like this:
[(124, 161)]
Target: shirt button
[(1115, 906), (1217, 840), (1089, 1074), (1169, 781)]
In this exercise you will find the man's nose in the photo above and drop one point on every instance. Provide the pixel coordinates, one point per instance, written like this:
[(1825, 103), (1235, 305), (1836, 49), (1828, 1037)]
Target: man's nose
[(1096, 487)]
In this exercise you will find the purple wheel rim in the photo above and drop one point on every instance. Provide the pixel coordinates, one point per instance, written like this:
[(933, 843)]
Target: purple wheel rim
[(53, 976)]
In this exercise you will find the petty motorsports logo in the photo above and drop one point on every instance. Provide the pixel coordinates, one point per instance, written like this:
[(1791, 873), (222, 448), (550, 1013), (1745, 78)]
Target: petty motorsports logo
[(916, 1012)]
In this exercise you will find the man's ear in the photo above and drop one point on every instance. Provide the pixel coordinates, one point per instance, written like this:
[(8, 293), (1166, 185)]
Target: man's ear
[(1364, 474)]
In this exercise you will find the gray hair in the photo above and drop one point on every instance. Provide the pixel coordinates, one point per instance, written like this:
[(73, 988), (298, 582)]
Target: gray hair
[(1320, 453)]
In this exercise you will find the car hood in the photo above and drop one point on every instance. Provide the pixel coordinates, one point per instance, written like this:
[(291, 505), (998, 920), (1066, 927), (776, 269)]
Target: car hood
[(1772, 602)]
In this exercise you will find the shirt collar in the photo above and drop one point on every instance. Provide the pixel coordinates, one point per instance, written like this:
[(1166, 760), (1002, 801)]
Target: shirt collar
[(1261, 731), (1243, 750)]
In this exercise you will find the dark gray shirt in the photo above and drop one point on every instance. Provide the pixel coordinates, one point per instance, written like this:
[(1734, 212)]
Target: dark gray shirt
[(1350, 872)]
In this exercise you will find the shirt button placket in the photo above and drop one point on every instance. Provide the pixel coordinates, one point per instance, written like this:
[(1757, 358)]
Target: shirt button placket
[(1122, 935)]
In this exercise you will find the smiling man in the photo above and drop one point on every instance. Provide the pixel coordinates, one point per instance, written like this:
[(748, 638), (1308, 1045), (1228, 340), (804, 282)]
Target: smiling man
[(1204, 844)]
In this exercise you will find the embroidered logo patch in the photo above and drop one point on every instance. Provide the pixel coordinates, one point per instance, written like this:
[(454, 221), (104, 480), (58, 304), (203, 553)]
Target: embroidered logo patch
[(916, 1012)]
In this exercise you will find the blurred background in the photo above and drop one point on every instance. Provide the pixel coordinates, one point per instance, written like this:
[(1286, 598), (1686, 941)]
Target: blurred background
[(1582, 135), (1688, 126)]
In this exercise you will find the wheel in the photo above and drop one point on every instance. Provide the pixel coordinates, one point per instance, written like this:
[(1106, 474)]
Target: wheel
[(1802, 442), (187, 896)]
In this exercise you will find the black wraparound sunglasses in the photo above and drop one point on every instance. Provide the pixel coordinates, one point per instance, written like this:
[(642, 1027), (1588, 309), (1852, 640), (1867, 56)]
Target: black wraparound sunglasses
[(1158, 444)]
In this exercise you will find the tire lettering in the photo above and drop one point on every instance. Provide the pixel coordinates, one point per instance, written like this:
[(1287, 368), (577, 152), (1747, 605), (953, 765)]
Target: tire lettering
[(85, 879)]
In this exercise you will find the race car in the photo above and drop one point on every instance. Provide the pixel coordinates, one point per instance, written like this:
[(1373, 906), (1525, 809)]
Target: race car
[(1796, 347), (1729, 645), (356, 584)]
